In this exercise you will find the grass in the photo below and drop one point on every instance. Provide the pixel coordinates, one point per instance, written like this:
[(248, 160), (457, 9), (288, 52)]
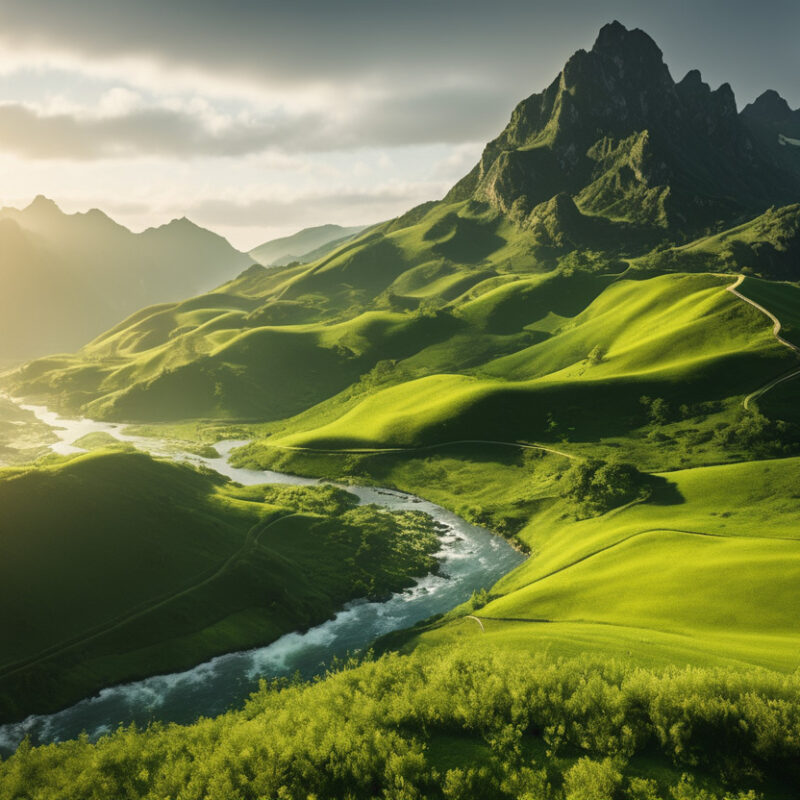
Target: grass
[(782, 299), (702, 572), (681, 337), (136, 566)]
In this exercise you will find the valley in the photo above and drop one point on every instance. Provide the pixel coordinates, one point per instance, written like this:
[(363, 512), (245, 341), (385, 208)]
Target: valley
[(509, 481)]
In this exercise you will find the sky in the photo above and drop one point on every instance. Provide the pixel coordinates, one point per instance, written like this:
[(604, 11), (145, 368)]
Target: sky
[(256, 119)]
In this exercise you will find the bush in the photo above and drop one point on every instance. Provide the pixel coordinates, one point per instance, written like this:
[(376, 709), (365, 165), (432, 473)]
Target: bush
[(370, 731), (592, 780)]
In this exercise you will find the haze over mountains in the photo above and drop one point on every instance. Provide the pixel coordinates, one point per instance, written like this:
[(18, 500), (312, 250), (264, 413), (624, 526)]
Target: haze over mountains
[(305, 245), (67, 277)]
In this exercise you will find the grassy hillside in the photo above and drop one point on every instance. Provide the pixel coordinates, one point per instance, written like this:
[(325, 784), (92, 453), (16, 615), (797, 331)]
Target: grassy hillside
[(768, 245), (682, 338), (135, 566)]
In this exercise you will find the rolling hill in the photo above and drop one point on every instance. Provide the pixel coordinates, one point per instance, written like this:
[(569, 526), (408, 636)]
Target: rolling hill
[(137, 566)]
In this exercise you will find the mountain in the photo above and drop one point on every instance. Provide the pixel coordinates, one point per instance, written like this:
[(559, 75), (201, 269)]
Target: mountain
[(626, 142), (589, 346), (82, 272), (305, 245), (613, 169)]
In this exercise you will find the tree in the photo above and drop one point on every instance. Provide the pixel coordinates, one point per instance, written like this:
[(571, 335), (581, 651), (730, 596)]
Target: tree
[(597, 486), (596, 355)]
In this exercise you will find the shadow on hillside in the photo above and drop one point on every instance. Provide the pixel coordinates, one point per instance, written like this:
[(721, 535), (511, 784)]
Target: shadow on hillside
[(664, 492)]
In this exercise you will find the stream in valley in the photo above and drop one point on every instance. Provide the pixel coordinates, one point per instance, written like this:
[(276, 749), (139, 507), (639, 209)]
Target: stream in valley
[(471, 558)]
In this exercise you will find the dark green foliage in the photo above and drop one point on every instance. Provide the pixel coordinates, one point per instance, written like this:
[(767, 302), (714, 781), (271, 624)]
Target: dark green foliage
[(658, 409), (468, 724), (596, 486), (753, 433), (115, 566)]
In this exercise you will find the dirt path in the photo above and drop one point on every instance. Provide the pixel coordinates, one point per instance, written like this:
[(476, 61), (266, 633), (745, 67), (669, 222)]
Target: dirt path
[(390, 450), (251, 540), (776, 330)]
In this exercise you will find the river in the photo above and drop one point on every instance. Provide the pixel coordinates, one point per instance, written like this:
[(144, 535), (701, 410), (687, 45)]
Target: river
[(471, 558)]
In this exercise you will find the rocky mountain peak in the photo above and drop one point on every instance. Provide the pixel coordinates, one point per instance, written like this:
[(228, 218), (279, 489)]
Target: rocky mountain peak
[(614, 132), (769, 106)]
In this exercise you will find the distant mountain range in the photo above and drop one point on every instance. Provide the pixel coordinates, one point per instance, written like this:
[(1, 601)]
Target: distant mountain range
[(67, 277), (304, 246)]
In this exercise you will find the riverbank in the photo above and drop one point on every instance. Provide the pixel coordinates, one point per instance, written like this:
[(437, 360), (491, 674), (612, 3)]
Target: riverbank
[(471, 559)]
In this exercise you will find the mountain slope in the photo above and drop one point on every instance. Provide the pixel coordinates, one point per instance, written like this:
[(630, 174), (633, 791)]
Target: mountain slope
[(616, 132), (82, 272), (305, 245)]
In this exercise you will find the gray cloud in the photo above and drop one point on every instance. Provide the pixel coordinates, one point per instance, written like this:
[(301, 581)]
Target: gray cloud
[(444, 71), (434, 116), (517, 43)]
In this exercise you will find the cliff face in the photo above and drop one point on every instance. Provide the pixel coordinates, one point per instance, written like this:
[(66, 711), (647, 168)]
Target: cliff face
[(619, 135)]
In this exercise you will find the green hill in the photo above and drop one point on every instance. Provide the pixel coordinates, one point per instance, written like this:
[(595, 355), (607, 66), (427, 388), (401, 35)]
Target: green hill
[(135, 566)]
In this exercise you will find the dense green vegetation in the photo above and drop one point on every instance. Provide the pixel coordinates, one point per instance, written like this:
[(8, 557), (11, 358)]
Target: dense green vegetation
[(463, 724), (116, 566)]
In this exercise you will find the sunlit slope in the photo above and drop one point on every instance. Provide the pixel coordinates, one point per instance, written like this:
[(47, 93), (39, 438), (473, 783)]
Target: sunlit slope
[(706, 570), (115, 565), (454, 288), (678, 336)]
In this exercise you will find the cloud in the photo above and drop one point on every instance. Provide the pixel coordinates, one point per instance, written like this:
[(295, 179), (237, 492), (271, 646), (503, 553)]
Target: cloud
[(123, 127), (334, 204)]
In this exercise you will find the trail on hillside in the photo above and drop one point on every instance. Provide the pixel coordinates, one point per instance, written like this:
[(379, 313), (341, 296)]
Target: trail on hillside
[(251, 540), (636, 534), (390, 450), (776, 330)]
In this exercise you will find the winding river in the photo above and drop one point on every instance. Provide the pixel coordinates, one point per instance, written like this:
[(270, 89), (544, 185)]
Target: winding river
[(471, 558)]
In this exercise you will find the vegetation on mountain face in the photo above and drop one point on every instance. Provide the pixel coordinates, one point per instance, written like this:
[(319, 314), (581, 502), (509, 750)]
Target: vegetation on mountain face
[(115, 566), (462, 724), (768, 245)]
